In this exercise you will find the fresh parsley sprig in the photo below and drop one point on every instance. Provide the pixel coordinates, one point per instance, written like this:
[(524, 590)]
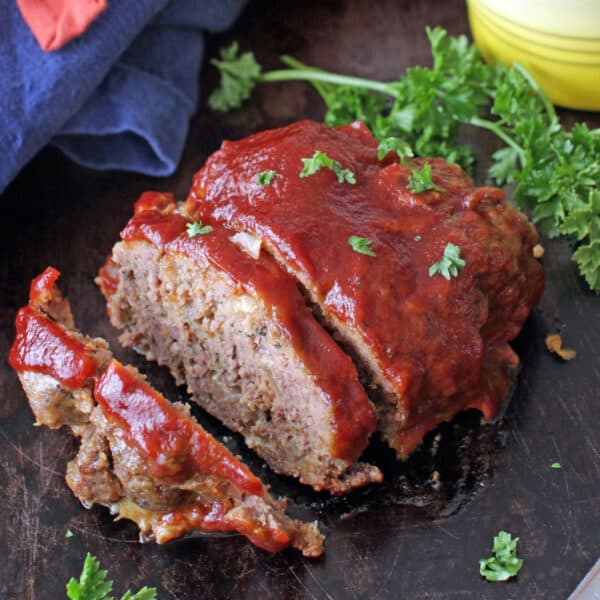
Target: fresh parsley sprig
[(319, 160), (92, 585), (556, 172), (505, 563), (425, 107), (239, 74), (450, 263), (420, 180)]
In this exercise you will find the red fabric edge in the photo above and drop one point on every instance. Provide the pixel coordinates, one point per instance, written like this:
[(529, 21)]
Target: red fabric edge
[(54, 23)]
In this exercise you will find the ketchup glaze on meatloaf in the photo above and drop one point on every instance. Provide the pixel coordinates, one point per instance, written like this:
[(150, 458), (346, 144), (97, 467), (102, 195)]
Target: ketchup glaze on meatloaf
[(426, 347)]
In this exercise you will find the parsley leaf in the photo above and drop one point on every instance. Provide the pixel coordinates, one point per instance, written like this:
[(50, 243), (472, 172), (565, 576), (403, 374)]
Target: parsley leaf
[(420, 180), (505, 563), (319, 160), (316, 163), (69, 534), (145, 593), (92, 585), (450, 263), (361, 245), (238, 78), (265, 177), (196, 228), (556, 465), (394, 144)]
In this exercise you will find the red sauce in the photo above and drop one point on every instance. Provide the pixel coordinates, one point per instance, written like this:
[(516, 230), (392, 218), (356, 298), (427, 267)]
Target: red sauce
[(109, 277), (43, 346), (177, 445), (213, 517), (155, 227), (154, 201), (41, 287), (354, 416), (268, 536), (429, 337)]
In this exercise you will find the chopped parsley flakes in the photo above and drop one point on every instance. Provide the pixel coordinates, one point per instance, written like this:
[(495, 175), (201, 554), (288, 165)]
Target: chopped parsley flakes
[(394, 144), (450, 263), (420, 180), (196, 228), (265, 177), (556, 465), (505, 563), (319, 160), (361, 245), (69, 534)]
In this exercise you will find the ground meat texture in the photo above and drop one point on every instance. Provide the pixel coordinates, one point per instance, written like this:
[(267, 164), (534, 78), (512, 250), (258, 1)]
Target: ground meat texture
[(90, 474), (54, 405), (144, 458), (238, 332), (426, 347)]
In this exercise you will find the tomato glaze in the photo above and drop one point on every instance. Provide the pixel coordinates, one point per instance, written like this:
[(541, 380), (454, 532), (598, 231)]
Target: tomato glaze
[(108, 277), (435, 341), (354, 416), (213, 516), (43, 346), (41, 287), (177, 445)]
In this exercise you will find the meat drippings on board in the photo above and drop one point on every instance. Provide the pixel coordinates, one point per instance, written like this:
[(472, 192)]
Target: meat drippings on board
[(143, 457), (428, 346)]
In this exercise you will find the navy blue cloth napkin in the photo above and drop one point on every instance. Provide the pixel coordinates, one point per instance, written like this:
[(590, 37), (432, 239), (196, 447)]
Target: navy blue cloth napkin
[(118, 97)]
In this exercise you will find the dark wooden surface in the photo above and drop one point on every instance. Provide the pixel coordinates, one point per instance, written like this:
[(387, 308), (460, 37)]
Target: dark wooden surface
[(410, 537)]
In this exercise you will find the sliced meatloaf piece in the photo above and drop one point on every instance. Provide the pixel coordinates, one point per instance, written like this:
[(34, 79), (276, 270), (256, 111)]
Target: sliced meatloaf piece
[(232, 324), (368, 239), (144, 458)]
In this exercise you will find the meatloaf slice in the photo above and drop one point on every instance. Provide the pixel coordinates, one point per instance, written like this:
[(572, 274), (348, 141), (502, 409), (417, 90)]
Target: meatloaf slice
[(232, 324), (367, 239), (144, 458)]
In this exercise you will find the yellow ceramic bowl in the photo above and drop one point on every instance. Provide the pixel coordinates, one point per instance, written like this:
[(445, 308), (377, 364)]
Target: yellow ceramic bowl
[(558, 43)]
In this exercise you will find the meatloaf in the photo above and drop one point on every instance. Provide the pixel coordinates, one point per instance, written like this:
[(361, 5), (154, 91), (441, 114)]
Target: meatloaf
[(146, 459), (427, 342), (325, 225)]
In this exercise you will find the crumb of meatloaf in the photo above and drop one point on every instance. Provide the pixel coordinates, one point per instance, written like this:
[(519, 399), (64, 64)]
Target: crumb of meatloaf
[(554, 343)]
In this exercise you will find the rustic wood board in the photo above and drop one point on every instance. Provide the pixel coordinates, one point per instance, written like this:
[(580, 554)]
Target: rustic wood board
[(408, 538)]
